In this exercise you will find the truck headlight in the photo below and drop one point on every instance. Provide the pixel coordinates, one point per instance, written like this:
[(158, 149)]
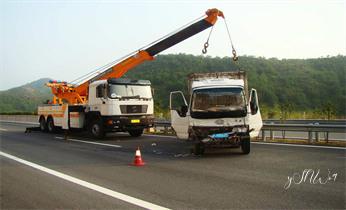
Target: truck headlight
[(239, 129)]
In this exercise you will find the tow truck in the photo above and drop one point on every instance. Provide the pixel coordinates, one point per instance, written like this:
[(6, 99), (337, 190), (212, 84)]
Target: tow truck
[(105, 102)]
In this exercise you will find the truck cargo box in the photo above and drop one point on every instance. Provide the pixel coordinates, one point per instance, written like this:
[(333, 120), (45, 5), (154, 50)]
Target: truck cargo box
[(215, 75)]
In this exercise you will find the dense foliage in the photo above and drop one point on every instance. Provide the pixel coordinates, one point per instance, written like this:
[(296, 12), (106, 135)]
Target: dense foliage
[(305, 85), (24, 99), (315, 86)]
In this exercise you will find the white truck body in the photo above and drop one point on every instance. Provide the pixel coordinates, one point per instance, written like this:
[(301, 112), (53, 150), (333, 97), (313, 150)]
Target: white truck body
[(218, 103), (113, 105)]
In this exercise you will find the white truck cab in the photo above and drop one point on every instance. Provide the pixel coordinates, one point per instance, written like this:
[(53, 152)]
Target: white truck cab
[(219, 112), (114, 105)]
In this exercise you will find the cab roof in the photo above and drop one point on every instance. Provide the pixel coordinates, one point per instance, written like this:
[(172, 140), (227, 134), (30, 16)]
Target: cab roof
[(126, 81)]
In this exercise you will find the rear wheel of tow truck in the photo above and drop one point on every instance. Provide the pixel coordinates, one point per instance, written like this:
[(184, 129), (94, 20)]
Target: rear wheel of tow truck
[(136, 132), (97, 130), (245, 145), (43, 125), (50, 125)]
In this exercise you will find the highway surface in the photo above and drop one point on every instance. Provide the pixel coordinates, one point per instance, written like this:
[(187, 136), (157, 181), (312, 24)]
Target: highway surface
[(45, 171)]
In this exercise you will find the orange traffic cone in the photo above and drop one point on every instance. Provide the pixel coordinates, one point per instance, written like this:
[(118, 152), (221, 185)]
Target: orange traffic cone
[(138, 159)]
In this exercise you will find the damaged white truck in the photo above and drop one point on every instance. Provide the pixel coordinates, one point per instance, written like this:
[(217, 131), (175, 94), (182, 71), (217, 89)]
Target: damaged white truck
[(220, 112)]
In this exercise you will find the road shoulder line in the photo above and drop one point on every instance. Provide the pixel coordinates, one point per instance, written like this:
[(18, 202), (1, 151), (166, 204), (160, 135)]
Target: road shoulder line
[(299, 145)]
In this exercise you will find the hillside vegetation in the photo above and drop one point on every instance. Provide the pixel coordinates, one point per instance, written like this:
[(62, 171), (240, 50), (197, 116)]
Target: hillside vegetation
[(315, 86), (24, 98), (287, 88)]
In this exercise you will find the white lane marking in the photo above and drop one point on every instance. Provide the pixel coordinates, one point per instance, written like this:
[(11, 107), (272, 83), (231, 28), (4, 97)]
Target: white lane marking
[(3, 129), (114, 194), (300, 145), (90, 142)]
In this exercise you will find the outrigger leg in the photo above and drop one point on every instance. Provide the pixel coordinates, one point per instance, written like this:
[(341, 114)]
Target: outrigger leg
[(29, 129)]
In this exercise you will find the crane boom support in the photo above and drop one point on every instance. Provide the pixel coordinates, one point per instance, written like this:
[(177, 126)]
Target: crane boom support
[(78, 94), (178, 37)]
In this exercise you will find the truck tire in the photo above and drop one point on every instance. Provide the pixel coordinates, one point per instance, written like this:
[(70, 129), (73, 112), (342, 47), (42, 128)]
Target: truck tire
[(245, 145), (97, 130), (50, 125), (43, 125), (136, 132)]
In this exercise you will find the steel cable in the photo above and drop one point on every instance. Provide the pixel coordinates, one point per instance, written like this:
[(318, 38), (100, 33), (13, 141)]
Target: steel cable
[(101, 69)]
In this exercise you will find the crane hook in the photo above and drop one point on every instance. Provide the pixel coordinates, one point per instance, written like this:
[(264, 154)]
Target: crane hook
[(235, 57), (206, 45)]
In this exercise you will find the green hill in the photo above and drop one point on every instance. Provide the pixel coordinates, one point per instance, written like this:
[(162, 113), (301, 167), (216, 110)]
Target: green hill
[(303, 85), (287, 86), (24, 98)]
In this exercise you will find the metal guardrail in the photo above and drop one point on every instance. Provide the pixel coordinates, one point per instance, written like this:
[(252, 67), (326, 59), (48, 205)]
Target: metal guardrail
[(271, 127), (286, 122), (306, 128), (312, 127), (310, 121), (309, 128)]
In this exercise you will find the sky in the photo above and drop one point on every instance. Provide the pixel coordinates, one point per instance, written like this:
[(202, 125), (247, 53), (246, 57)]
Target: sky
[(64, 40)]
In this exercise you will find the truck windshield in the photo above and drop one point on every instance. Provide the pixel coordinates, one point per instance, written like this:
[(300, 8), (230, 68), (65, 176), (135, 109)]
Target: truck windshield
[(129, 91), (218, 102)]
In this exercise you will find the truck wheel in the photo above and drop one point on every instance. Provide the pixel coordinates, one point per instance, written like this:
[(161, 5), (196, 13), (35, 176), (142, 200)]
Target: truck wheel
[(50, 125), (199, 149), (43, 125), (96, 130), (245, 145), (136, 133)]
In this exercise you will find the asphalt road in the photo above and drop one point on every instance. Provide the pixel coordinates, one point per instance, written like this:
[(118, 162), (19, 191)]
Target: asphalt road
[(172, 177)]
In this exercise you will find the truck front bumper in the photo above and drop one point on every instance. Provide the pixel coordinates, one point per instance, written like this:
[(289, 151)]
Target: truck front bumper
[(126, 123), (228, 136), (231, 138)]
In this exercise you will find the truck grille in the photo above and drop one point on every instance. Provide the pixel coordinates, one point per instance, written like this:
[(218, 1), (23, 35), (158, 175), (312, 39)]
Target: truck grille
[(130, 109)]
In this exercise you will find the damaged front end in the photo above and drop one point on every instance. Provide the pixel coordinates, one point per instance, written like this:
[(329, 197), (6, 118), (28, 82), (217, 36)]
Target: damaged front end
[(219, 136)]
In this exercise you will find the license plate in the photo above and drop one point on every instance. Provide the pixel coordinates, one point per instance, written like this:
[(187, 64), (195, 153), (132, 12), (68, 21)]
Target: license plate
[(135, 121)]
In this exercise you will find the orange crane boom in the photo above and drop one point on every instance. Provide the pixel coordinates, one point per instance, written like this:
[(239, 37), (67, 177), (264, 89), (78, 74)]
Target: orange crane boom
[(64, 92)]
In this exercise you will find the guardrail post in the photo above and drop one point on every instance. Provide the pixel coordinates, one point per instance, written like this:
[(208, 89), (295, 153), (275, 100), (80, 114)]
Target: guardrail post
[(310, 137), (317, 136), (283, 134), (327, 136), (271, 135), (263, 135)]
